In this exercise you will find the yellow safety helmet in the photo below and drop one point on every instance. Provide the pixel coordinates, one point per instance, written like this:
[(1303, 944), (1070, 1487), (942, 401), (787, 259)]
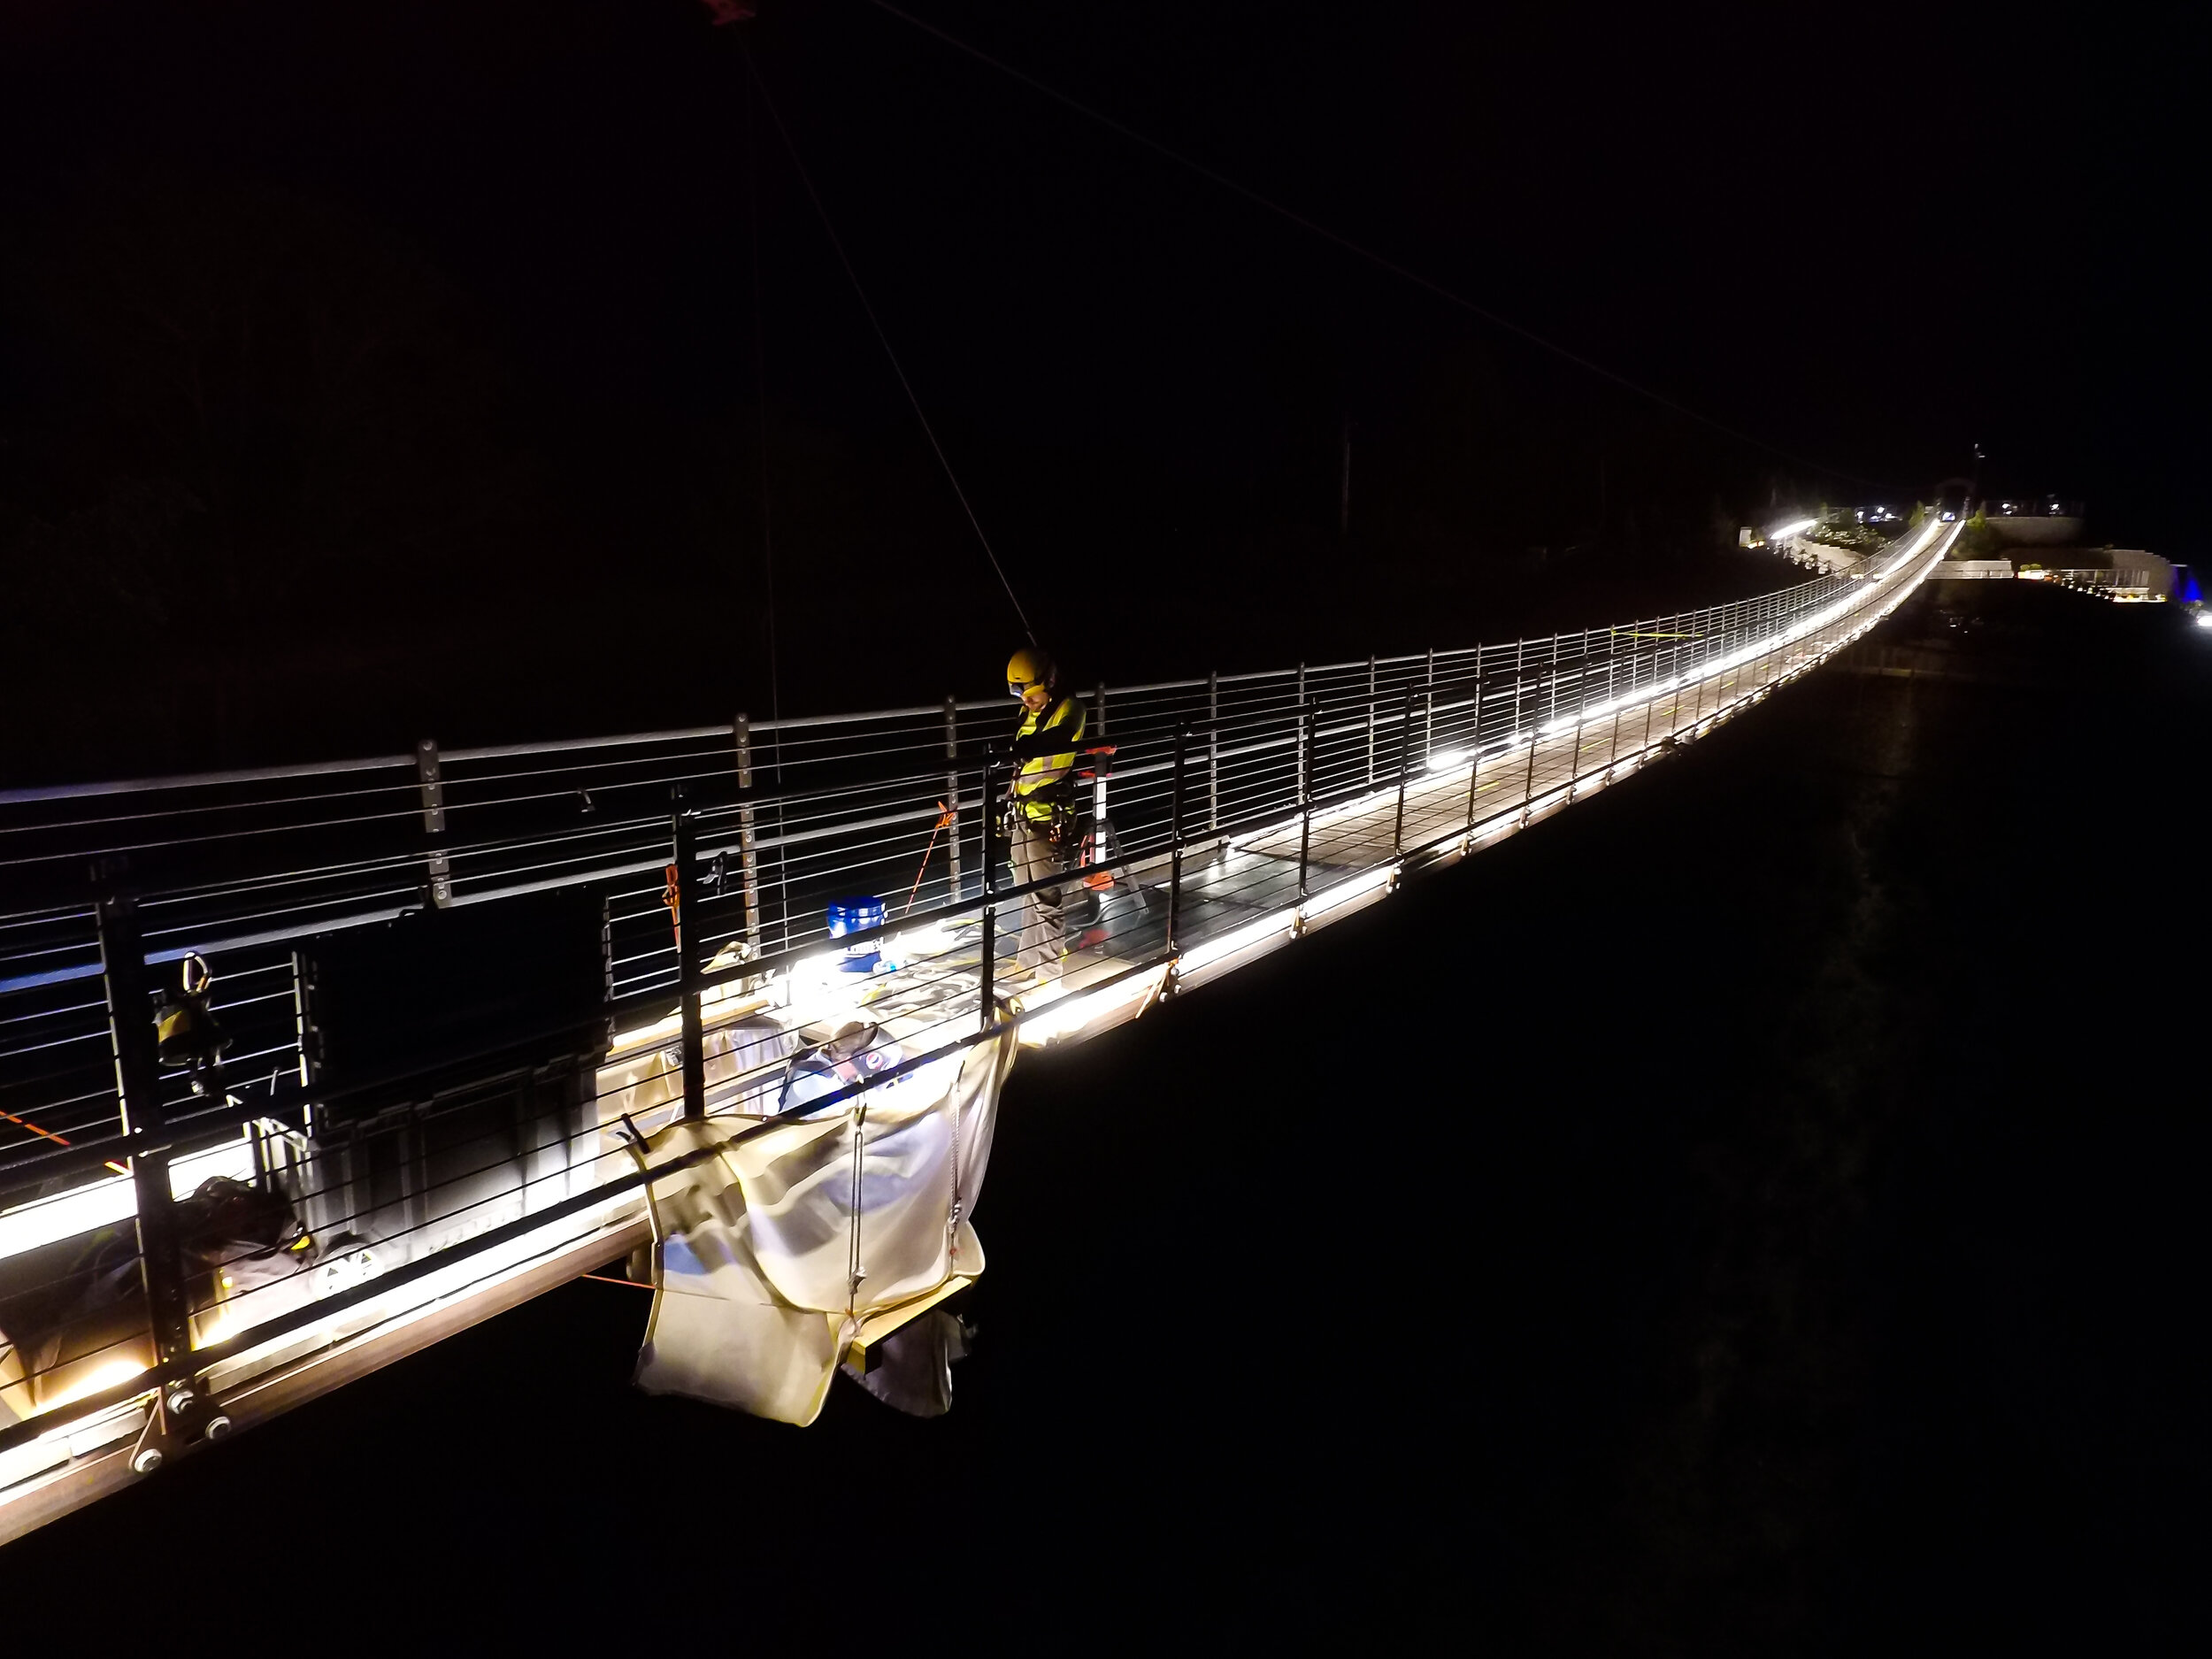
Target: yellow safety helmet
[(1028, 667)]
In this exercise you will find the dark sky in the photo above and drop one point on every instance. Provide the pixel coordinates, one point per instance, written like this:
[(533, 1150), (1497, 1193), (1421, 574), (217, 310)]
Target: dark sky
[(1865, 238)]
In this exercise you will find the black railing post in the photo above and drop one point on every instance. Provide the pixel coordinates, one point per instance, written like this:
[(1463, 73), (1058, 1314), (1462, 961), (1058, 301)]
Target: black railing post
[(1308, 713), (1213, 749), (952, 800), (160, 1259), (1428, 704), (1697, 703), (1370, 720), (1582, 705), (989, 965), (748, 840), (1535, 736), (1405, 763), (1098, 780), (430, 782), (683, 837), (1474, 747), (1651, 702), (1175, 841)]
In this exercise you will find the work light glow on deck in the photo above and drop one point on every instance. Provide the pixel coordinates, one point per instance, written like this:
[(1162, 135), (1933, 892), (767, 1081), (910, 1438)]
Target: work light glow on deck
[(106, 1203), (1236, 939), (1345, 892), (1071, 1012), (112, 1374)]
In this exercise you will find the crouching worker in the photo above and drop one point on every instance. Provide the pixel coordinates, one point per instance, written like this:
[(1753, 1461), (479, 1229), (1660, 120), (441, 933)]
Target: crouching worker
[(1041, 828)]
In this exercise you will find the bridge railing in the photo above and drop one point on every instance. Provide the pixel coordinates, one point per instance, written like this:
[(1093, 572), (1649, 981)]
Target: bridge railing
[(135, 1260)]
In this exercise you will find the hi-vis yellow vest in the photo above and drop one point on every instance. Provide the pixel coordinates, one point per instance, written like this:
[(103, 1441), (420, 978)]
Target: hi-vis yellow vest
[(1035, 784)]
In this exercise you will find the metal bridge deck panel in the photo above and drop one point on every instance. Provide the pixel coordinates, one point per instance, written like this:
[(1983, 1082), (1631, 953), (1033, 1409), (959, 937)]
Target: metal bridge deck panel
[(841, 824)]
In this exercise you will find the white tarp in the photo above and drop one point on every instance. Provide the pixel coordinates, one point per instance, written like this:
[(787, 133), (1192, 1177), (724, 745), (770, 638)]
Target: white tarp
[(754, 1291)]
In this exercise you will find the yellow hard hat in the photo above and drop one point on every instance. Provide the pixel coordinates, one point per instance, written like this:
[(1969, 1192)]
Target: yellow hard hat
[(1027, 667)]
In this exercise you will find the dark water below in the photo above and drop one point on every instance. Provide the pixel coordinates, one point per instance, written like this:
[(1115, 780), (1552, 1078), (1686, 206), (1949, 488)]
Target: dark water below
[(1757, 1213)]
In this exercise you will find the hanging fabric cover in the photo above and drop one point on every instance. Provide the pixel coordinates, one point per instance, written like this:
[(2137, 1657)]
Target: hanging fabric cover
[(771, 1252)]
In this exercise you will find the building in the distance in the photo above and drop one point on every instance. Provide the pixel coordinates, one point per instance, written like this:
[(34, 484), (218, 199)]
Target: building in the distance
[(2129, 575)]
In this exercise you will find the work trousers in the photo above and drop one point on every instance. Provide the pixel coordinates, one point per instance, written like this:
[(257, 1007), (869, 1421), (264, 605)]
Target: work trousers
[(1044, 929)]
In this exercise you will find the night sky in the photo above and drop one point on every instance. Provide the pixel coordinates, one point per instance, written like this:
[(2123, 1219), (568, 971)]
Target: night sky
[(400, 360), (469, 368)]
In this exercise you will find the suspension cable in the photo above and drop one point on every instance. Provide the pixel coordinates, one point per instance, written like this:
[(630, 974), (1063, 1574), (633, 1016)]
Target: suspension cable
[(860, 293), (1366, 253), (760, 396)]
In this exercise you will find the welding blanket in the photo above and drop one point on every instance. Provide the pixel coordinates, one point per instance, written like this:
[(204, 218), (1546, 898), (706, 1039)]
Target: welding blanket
[(755, 1296)]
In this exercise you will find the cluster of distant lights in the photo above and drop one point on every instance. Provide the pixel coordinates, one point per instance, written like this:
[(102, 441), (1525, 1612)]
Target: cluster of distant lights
[(1890, 515), (1864, 515)]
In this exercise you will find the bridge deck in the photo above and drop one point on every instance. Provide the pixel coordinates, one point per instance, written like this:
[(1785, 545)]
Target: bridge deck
[(1239, 893)]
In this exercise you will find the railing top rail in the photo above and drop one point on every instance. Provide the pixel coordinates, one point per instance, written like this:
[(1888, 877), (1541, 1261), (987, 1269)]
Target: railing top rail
[(201, 780), (727, 729)]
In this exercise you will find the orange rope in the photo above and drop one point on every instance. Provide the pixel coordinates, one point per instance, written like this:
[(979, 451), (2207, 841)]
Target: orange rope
[(59, 1141), (944, 822)]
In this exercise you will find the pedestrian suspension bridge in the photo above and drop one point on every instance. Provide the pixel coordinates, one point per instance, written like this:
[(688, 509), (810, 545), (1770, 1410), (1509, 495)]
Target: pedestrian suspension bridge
[(302, 1068)]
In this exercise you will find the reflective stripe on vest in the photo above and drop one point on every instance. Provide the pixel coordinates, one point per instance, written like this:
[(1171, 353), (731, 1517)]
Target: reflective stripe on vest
[(1034, 778)]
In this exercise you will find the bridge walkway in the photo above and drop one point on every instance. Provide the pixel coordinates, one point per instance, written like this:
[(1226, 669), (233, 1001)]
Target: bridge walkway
[(1237, 813)]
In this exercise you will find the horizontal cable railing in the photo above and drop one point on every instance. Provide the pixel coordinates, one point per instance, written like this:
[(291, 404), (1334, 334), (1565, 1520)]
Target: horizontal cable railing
[(165, 1210)]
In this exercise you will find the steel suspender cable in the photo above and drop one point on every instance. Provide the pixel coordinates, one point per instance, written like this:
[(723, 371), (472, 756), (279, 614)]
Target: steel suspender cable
[(853, 276), (767, 540), (1368, 253), (760, 399)]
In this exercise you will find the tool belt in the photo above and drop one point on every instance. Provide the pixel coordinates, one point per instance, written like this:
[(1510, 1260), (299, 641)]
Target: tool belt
[(1062, 828)]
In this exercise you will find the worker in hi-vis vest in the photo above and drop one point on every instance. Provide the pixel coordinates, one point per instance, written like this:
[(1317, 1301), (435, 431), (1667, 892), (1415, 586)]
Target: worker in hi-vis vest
[(1041, 830)]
